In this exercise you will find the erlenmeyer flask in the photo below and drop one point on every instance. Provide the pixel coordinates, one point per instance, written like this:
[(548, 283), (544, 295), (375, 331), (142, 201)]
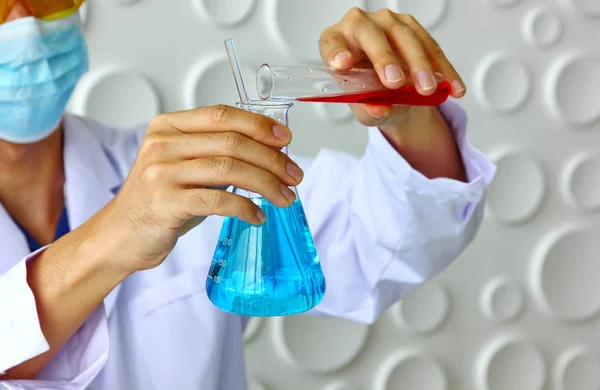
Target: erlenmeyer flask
[(267, 270)]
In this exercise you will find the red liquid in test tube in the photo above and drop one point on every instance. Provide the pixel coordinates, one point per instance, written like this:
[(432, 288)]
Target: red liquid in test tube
[(407, 95)]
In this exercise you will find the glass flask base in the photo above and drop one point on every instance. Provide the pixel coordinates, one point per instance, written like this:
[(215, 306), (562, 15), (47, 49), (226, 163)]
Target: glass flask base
[(267, 270)]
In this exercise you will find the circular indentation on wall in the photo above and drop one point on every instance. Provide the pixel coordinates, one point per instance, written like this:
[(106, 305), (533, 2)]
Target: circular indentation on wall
[(338, 113), (289, 23), (429, 13), (126, 2), (255, 384), (210, 82), (226, 13), (502, 299), (319, 344), (84, 12), (252, 329), (542, 27), (503, 83), (425, 308), (578, 369), (511, 364), (573, 90), (581, 181), (518, 189), (340, 386), (411, 370), (122, 98), (565, 274), (588, 8), (503, 3)]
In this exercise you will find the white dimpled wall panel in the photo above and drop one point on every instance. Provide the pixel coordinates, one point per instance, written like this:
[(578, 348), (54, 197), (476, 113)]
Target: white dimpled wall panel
[(581, 182), (425, 309), (226, 13), (205, 84), (339, 386), (520, 308), (253, 328), (320, 345), (586, 8), (84, 12), (503, 83), (509, 363), (578, 369), (518, 189), (123, 97), (289, 20), (429, 13), (502, 300), (564, 275), (503, 3), (573, 89), (254, 384), (411, 370), (543, 27)]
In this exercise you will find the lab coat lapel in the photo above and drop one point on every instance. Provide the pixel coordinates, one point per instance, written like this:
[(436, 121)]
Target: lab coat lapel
[(91, 179), (12, 241)]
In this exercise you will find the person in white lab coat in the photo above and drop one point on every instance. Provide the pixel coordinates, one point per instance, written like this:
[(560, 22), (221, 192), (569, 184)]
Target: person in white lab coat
[(105, 244)]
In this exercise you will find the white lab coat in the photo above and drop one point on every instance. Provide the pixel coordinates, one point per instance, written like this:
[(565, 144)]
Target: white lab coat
[(380, 227)]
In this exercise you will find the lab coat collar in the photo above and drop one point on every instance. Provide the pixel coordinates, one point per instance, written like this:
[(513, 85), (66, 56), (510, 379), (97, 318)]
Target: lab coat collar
[(91, 179), (86, 159), (12, 241)]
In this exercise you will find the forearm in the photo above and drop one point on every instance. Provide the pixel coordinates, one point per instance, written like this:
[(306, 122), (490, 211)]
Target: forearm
[(425, 141), (69, 280)]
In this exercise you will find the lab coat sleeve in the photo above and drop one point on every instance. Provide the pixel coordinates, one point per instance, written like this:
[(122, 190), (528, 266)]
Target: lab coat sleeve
[(21, 338), (381, 228)]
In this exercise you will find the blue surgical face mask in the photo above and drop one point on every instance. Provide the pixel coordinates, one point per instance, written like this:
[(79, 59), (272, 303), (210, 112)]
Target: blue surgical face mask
[(40, 64)]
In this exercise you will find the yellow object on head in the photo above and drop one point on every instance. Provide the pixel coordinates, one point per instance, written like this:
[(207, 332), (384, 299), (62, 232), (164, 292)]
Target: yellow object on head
[(41, 9)]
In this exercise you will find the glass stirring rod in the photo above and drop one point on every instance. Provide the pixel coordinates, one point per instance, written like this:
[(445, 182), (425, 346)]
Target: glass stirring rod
[(237, 70)]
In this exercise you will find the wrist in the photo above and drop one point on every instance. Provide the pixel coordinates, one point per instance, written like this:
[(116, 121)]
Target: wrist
[(425, 140), (416, 128), (107, 245), (87, 262)]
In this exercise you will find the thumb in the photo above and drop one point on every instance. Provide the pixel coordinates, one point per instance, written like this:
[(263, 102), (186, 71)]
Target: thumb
[(371, 114)]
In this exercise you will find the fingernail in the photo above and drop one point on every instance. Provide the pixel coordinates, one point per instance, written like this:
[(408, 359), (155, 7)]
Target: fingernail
[(457, 86), (261, 216), (289, 194), (392, 74), (425, 80), (281, 133), (294, 171), (339, 59)]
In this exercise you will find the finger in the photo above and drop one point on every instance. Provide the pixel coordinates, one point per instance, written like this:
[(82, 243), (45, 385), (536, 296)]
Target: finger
[(203, 202), (373, 40), (227, 118), (378, 112), (334, 49), (415, 56), (371, 115), (229, 144), (224, 171), (443, 65)]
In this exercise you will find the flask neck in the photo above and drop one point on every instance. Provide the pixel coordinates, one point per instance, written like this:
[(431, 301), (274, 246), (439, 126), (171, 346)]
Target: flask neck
[(276, 110)]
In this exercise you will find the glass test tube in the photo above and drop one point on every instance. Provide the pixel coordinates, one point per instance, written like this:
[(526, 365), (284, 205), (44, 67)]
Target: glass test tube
[(329, 85)]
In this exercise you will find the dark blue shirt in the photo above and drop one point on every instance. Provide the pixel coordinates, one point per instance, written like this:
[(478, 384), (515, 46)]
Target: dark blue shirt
[(62, 228)]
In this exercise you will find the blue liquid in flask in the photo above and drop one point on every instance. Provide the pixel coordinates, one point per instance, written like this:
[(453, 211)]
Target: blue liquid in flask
[(267, 270)]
